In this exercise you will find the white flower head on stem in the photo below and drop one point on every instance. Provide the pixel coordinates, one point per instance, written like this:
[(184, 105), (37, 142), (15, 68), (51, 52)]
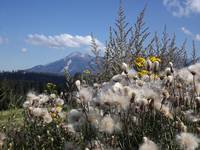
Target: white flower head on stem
[(187, 141)]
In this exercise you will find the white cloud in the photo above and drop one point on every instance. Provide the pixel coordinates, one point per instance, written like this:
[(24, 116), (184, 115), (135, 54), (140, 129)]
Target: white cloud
[(180, 8), (24, 50), (61, 41), (189, 33), (186, 31), (197, 37), (3, 40)]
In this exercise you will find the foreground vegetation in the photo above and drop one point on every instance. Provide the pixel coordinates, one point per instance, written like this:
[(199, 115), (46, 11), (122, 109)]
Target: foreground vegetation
[(124, 113), (142, 96), (11, 116)]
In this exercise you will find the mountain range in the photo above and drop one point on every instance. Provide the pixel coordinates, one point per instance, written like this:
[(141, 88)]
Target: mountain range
[(74, 62)]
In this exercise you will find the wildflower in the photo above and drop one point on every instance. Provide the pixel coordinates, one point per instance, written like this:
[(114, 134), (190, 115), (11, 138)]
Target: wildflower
[(2, 138), (74, 116), (125, 67), (107, 125), (140, 62), (142, 73), (53, 96), (117, 87), (122, 101), (168, 71), (43, 98), (129, 92), (156, 66), (194, 69), (58, 109), (148, 145), (47, 118), (31, 96), (59, 101), (38, 112), (96, 85), (85, 95), (62, 115), (185, 75), (93, 118), (78, 84), (154, 59), (118, 77), (148, 65), (187, 141), (26, 104), (169, 79), (171, 64)]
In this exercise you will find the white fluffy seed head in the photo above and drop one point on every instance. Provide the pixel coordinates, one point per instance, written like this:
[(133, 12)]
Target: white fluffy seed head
[(170, 64), (59, 101), (156, 65), (149, 65), (187, 141), (117, 87), (148, 145), (47, 118), (74, 116), (78, 84), (125, 67), (107, 125)]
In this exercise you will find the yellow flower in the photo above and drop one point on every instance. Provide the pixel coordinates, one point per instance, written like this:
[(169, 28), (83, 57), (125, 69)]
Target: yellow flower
[(142, 73), (140, 62), (58, 109), (53, 115), (154, 59), (154, 76)]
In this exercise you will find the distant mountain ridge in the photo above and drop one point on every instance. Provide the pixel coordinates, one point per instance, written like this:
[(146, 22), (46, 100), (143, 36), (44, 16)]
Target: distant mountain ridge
[(74, 62)]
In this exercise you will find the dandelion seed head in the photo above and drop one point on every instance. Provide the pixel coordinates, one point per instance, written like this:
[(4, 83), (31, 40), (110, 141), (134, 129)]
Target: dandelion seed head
[(125, 67), (117, 87), (85, 95), (148, 145), (47, 118), (74, 116), (59, 102), (194, 69), (107, 125), (53, 96), (78, 84), (187, 141)]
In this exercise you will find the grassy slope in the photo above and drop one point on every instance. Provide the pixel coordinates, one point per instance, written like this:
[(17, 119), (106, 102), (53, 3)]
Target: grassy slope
[(11, 116)]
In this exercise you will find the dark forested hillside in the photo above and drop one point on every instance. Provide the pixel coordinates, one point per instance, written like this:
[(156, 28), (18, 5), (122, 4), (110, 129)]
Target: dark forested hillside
[(15, 85)]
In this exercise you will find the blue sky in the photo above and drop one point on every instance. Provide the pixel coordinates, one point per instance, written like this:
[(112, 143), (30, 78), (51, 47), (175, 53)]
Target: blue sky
[(34, 32)]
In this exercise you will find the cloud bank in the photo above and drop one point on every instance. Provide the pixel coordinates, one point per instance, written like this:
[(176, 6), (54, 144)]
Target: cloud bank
[(180, 8), (61, 41)]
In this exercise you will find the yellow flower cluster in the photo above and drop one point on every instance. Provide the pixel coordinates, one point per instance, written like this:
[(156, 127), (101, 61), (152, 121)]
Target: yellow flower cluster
[(154, 59), (55, 114), (141, 63)]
